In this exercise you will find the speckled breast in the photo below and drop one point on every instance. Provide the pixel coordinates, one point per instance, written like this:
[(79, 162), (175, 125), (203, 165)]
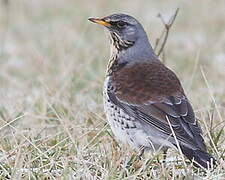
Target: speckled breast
[(124, 127)]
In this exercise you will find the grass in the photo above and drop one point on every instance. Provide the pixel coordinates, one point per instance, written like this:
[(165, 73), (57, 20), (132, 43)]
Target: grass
[(52, 124)]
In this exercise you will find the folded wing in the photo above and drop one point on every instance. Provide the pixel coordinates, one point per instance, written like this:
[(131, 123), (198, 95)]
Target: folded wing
[(152, 94)]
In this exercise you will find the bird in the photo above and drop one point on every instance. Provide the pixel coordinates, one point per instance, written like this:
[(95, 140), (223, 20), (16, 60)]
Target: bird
[(144, 101)]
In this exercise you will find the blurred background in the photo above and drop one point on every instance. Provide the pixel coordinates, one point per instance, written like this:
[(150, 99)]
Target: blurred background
[(53, 63)]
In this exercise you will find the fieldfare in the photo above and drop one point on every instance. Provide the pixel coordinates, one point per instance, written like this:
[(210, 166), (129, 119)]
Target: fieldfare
[(144, 101)]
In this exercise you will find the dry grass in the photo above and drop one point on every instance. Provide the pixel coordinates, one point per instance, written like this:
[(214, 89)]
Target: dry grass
[(53, 61)]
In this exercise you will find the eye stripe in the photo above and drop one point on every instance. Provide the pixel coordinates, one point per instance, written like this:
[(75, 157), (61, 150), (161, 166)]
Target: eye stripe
[(120, 24), (116, 23)]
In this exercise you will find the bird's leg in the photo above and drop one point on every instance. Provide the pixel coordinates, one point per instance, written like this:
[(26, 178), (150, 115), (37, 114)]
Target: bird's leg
[(164, 154), (141, 152)]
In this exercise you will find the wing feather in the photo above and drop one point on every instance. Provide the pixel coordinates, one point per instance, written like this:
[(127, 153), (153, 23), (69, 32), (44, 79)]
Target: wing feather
[(153, 96)]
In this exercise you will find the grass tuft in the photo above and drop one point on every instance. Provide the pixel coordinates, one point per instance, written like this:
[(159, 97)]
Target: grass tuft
[(52, 123)]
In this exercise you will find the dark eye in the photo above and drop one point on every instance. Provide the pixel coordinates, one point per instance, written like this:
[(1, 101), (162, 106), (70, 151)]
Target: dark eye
[(120, 24)]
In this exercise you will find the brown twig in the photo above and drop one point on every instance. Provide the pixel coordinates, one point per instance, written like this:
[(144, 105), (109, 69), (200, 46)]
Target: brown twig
[(165, 33)]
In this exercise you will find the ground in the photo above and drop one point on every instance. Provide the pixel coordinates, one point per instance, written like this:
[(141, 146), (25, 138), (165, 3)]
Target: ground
[(53, 61)]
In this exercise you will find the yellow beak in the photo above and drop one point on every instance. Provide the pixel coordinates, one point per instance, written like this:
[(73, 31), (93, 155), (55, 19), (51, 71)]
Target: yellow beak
[(100, 21)]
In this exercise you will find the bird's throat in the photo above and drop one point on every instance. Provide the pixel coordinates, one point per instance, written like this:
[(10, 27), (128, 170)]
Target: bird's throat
[(128, 52), (113, 60)]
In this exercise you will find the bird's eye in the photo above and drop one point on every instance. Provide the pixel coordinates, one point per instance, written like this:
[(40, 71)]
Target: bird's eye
[(120, 24)]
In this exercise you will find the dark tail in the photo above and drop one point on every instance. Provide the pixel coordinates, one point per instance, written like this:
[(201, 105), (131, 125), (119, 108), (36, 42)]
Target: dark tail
[(202, 158)]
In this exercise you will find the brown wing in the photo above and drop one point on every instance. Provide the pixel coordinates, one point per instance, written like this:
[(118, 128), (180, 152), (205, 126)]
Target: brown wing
[(150, 92)]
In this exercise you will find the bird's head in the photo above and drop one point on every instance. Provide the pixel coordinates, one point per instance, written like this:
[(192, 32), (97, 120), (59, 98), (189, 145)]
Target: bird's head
[(124, 30), (128, 39)]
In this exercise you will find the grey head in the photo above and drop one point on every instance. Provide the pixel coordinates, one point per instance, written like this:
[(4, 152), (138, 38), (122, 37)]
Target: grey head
[(127, 36)]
